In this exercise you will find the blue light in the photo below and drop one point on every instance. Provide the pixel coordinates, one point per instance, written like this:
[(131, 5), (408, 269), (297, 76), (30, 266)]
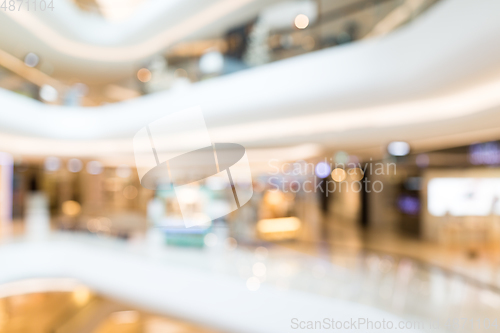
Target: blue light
[(487, 153), (409, 205), (322, 169)]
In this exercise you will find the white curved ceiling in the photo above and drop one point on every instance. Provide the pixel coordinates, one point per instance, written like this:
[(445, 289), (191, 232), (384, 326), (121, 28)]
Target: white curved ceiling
[(437, 77), (82, 45)]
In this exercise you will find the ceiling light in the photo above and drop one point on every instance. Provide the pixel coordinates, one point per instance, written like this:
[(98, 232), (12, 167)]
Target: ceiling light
[(211, 62), (71, 208), (74, 165), (48, 93), (356, 174), (322, 169), (52, 163), (301, 21), (144, 75), (94, 167), (31, 60), (338, 175), (398, 148)]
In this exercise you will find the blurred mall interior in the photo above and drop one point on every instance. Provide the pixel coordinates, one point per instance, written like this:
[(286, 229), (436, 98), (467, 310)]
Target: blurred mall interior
[(173, 166)]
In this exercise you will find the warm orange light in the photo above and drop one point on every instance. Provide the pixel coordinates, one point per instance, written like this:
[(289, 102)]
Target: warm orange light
[(284, 224), (71, 208), (81, 295), (338, 175), (144, 75), (356, 174), (274, 198)]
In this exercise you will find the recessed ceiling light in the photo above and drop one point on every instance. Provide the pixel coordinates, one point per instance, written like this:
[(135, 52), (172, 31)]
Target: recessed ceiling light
[(301, 21), (48, 93), (31, 60), (398, 148), (211, 62), (322, 169), (144, 75)]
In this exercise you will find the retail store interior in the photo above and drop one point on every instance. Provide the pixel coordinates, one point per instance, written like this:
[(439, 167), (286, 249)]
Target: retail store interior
[(249, 166)]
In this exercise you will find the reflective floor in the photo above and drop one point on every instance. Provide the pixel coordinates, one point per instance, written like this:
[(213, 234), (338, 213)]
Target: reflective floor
[(408, 288), (409, 278), (81, 311)]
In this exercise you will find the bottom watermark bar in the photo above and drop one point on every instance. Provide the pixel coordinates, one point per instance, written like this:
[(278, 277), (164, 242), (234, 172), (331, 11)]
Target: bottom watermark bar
[(367, 324)]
